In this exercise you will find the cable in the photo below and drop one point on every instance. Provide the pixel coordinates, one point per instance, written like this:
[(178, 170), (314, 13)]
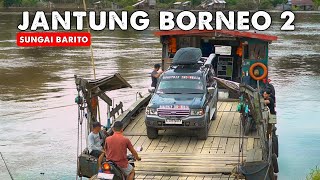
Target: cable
[(57, 107), (6, 166)]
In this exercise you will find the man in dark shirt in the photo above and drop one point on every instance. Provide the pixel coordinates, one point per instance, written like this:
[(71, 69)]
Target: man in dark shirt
[(268, 100), (155, 75)]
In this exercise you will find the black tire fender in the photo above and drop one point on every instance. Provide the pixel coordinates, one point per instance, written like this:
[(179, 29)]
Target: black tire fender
[(275, 163), (275, 145)]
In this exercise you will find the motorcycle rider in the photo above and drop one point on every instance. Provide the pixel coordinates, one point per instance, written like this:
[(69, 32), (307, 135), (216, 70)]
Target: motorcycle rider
[(116, 150)]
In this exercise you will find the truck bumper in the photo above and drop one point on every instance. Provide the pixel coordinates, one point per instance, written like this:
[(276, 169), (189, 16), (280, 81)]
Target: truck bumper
[(191, 122)]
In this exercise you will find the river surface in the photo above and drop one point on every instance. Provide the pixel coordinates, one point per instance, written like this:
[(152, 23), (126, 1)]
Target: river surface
[(38, 117)]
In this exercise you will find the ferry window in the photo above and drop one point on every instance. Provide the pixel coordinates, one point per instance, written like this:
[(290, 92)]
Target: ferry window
[(223, 50), (255, 51)]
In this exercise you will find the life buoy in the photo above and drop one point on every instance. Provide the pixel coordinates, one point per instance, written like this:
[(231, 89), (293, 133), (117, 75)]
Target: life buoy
[(265, 71)]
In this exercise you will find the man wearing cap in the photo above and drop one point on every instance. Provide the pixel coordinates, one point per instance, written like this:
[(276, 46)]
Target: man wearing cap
[(116, 150), (155, 75), (95, 140), (269, 101)]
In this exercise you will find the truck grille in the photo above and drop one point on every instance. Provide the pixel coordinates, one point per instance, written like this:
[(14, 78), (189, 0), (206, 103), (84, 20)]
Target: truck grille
[(169, 112)]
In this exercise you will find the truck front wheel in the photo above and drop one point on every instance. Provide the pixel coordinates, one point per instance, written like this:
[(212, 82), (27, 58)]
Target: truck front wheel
[(152, 133), (216, 111), (203, 133)]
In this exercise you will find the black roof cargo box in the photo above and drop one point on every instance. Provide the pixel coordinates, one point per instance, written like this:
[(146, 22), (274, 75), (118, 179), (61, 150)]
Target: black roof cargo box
[(185, 56)]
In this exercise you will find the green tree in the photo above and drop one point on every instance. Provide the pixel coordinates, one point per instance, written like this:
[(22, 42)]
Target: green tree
[(8, 3), (276, 2), (231, 2), (314, 174), (316, 3), (265, 4), (196, 2), (245, 5)]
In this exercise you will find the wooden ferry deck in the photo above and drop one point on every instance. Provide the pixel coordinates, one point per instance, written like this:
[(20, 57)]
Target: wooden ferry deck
[(179, 155)]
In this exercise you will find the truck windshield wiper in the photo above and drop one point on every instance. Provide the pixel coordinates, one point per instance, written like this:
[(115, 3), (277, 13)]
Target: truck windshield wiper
[(173, 93)]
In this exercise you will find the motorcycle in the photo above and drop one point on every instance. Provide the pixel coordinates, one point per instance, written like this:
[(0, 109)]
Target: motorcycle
[(110, 170)]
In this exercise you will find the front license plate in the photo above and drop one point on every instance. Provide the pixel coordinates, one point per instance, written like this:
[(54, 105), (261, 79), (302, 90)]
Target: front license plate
[(173, 121)]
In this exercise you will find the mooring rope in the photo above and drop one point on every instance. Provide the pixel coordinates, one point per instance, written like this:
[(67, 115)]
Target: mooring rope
[(6, 166)]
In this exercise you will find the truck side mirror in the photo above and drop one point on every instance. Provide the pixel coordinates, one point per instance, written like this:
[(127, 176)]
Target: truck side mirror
[(152, 89), (211, 89)]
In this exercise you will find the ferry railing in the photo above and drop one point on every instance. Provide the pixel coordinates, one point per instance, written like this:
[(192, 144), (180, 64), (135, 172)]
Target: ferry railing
[(259, 114)]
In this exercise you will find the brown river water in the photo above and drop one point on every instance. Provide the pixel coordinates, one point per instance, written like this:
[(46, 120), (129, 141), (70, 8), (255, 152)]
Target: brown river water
[(38, 116)]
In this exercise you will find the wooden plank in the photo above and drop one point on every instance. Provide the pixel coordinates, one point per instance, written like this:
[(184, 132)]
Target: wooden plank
[(207, 178), (183, 135), (207, 145), (215, 145), (199, 178), (228, 106), (234, 106), (181, 174), (190, 156), (153, 145), (149, 176), (169, 144), (174, 178), (126, 116), (189, 169), (229, 146), (258, 155), (162, 144), (250, 155), (146, 144), (224, 119), (192, 145), (140, 142), (188, 162), (135, 139), (183, 177), (227, 125), (250, 143), (176, 144), (165, 178), (235, 124), (184, 144), (157, 177), (222, 145), (191, 178), (257, 143), (142, 176)]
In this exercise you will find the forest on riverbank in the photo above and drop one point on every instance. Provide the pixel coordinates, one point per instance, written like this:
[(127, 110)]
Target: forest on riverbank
[(127, 4)]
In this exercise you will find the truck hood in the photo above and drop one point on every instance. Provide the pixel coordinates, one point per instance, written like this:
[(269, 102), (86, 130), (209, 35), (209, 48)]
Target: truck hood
[(190, 100)]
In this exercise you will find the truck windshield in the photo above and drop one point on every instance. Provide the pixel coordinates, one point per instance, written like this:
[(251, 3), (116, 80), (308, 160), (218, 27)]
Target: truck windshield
[(181, 85)]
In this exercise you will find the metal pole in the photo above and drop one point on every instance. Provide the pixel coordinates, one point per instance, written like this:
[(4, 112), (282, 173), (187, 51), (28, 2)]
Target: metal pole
[(108, 117), (6, 166)]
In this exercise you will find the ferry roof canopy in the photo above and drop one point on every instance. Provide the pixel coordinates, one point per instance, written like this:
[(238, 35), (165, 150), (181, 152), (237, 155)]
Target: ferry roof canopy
[(212, 33), (109, 83)]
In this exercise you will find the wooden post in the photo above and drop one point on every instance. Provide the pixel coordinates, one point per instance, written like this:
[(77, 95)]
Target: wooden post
[(164, 51)]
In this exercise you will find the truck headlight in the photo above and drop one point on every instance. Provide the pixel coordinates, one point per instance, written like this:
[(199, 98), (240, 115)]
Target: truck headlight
[(197, 112), (151, 111)]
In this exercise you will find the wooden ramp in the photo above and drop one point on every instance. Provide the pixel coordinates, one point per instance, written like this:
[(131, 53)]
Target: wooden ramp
[(179, 155)]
